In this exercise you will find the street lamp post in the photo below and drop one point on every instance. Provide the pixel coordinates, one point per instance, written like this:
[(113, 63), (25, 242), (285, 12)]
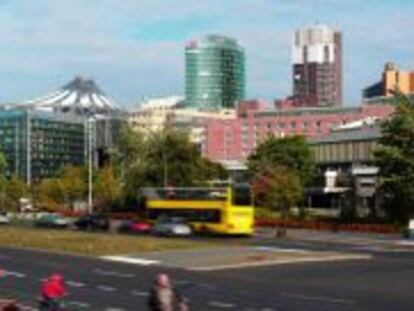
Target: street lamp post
[(164, 155), (90, 128)]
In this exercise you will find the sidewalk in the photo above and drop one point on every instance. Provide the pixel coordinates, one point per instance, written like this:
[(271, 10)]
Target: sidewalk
[(353, 238)]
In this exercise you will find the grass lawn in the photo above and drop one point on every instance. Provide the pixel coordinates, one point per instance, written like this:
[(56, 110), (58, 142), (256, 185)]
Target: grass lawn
[(92, 244)]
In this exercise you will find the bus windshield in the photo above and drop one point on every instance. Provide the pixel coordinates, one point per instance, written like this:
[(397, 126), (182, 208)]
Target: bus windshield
[(193, 194), (241, 195)]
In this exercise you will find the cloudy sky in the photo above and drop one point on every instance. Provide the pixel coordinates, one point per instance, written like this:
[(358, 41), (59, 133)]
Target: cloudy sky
[(134, 48)]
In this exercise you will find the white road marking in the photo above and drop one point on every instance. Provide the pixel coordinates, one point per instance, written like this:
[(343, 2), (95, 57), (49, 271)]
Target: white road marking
[(79, 304), (75, 284), (407, 243), (15, 274), (279, 249), (106, 288), (135, 261), (139, 293), (114, 273), (283, 262), (219, 304), (316, 298)]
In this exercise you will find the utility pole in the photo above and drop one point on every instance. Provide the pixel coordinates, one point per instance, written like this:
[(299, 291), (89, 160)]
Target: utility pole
[(29, 150), (90, 125)]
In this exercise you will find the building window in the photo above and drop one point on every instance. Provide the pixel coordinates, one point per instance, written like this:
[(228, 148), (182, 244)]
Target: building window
[(326, 54), (305, 54)]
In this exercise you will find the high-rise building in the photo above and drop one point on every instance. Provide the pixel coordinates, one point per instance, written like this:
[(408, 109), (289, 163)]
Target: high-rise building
[(215, 73), (392, 79), (317, 67)]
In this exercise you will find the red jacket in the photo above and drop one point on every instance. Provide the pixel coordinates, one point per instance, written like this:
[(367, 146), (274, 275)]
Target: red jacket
[(53, 289)]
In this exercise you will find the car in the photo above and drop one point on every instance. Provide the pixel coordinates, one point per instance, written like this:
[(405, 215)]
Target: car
[(4, 220), (52, 221), (92, 222), (137, 227), (174, 226)]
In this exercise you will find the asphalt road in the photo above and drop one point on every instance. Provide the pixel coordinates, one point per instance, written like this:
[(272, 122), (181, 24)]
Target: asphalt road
[(385, 282)]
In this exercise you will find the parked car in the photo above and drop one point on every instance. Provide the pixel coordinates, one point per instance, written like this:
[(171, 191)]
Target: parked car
[(174, 226), (52, 221), (92, 222), (4, 220), (137, 227)]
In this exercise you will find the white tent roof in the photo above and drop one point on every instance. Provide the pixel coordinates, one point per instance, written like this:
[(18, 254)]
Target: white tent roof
[(80, 96)]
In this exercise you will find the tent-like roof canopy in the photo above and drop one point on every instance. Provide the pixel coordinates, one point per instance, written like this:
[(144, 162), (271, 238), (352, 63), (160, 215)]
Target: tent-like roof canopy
[(80, 96)]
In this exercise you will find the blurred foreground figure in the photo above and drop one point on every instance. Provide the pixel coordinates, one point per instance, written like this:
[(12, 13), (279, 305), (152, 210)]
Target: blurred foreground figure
[(10, 306), (53, 294), (164, 297)]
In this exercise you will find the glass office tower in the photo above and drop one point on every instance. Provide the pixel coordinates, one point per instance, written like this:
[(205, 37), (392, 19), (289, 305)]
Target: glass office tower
[(215, 72), (37, 145)]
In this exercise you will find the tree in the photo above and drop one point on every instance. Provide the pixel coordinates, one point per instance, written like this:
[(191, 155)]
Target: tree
[(48, 194), (63, 190), (72, 183), (395, 158), (3, 165), (165, 157), (291, 152), (174, 160), (278, 189), (130, 160), (107, 188), (292, 159), (15, 190)]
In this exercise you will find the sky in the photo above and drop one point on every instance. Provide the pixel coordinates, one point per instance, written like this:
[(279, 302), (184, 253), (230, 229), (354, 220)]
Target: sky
[(135, 48)]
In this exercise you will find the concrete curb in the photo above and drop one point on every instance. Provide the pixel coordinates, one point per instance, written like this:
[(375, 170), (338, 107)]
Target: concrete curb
[(331, 258)]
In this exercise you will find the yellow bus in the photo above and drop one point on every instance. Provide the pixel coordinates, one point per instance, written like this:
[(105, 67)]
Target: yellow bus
[(219, 210)]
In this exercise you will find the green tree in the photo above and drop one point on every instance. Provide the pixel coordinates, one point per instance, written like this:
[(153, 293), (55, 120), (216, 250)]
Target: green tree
[(395, 158), (3, 164), (130, 161), (107, 188), (290, 152), (72, 183), (165, 157), (3, 182), (278, 189), (15, 190), (48, 194), (174, 160)]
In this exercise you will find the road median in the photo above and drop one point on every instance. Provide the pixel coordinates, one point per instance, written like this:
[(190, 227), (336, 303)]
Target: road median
[(91, 244)]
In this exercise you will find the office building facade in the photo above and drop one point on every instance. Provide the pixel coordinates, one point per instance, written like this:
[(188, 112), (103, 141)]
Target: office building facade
[(83, 99), (392, 79), (317, 67), (37, 145), (215, 72), (234, 139)]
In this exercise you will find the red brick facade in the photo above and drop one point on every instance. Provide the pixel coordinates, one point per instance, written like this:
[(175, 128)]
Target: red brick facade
[(235, 139)]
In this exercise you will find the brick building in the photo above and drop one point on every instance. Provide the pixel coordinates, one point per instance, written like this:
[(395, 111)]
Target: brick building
[(236, 138)]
